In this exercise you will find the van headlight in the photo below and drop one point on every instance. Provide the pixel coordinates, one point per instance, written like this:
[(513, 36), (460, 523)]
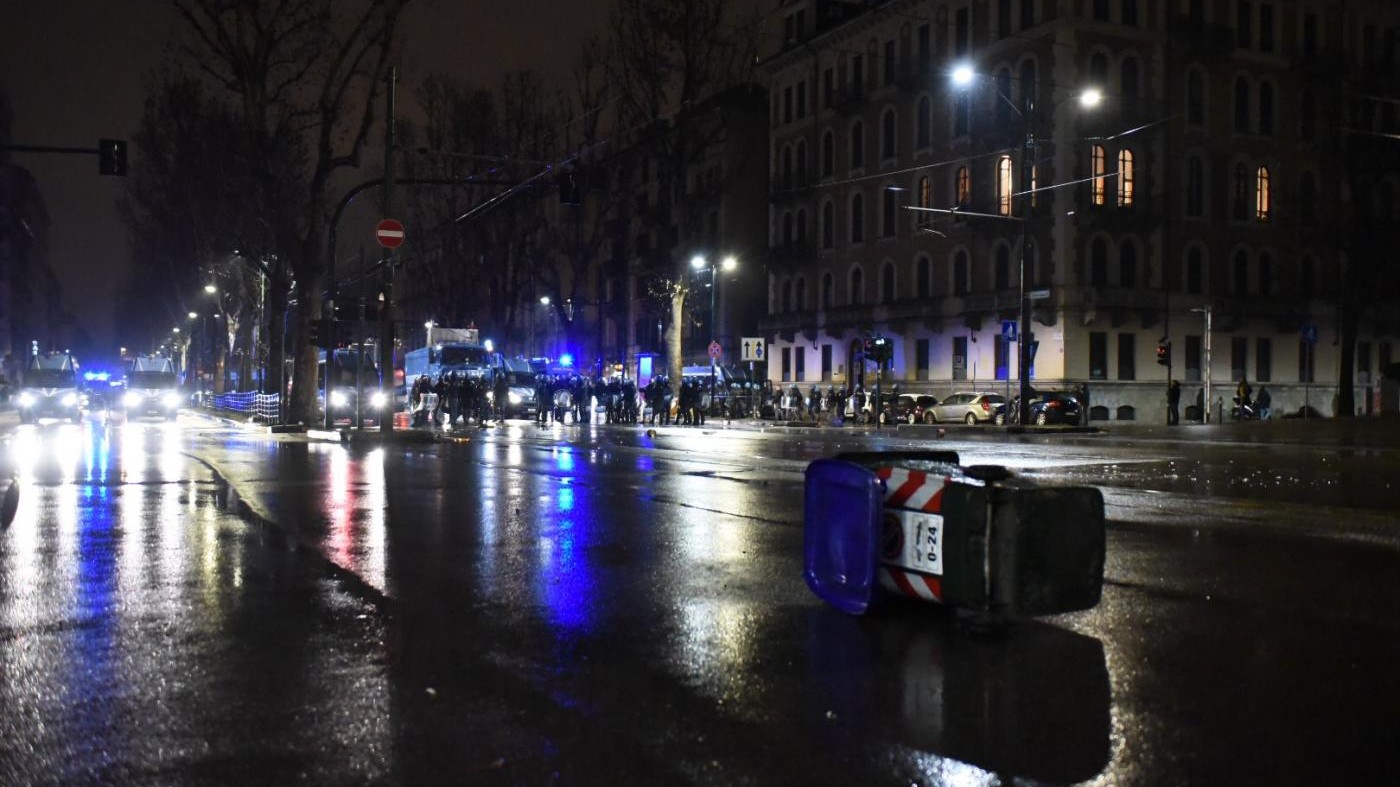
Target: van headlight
[(132, 399), (70, 400), (26, 399), (515, 398), (378, 400), (338, 399), (171, 400)]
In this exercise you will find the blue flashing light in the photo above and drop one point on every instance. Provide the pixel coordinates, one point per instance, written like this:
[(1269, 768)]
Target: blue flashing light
[(96, 376), (566, 360)]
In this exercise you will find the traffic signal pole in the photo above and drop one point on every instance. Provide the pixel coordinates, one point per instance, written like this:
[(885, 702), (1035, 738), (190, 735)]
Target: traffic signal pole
[(386, 320)]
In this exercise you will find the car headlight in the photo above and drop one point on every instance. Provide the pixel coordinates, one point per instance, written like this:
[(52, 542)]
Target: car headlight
[(133, 399), (171, 400), (339, 399), (70, 400), (26, 399), (378, 400), (515, 398)]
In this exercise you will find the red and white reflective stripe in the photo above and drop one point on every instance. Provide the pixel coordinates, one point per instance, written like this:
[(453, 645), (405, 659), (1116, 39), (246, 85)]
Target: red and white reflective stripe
[(911, 583), (912, 489)]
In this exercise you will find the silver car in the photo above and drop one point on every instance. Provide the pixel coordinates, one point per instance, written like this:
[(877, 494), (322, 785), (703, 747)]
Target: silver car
[(968, 407)]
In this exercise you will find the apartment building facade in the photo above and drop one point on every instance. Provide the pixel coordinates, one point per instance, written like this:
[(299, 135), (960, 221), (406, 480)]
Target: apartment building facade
[(1238, 160)]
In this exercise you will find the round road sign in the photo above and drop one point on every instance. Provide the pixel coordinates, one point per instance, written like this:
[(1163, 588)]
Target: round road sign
[(389, 233), (715, 350)]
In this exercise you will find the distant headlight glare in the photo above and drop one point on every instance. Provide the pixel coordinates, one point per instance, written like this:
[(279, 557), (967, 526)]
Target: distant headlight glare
[(378, 400), (132, 399), (70, 400), (171, 400), (515, 398), (26, 399), (339, 399)]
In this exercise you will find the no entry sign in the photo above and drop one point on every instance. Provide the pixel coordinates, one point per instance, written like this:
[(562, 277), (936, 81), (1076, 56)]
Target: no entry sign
[(389, 233)]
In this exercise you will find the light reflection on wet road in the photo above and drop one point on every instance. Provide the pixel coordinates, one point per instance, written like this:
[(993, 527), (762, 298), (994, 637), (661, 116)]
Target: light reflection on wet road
[(615, 607)]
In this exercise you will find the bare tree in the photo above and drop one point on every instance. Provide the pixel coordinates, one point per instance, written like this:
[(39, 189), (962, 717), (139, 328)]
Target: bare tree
[(667, 58), (303, 76)]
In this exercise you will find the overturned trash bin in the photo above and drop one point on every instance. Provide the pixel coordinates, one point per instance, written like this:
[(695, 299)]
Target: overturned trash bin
[(979, 539)]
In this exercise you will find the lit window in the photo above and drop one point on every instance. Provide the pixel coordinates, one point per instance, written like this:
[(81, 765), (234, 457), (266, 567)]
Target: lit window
[(1035, 179), (1096, 158), (1125, 178), (964, 187), (1263, 196), (925, 200), (1004, 185)]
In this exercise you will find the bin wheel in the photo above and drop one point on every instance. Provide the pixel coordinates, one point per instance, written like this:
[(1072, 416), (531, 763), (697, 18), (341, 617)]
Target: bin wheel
[(930, 418), (1040, 419), (970, 420)]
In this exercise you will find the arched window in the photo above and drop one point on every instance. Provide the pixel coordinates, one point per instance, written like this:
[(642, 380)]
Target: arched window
[(1242, 105), (887, 134), (787, 167), (962, 113), (1307, 116), (801, 162), (787, 229), (887, 283), (1098, 70), (961, 274), (1239, 275), (857, 286), (828, 290), (1266, 108), (1307, 199), (1098, 263), (889, 211), (925, 198), (1195, 98), (1028, 87), (963, 187), (1004, 100), (828, 225), (1307, 276), (801, 233), (857, 144), (1195, 186), (1004, 185), (1240, 209), (857, 219), (799, 295), (1127, 264), (1266, 274), (1098, 169), (828, 154), (1002, 273), (1126, 178), (1129, 75), (1195, 272), (922, 123), (785, 303), (924, 276), (1263, 195)]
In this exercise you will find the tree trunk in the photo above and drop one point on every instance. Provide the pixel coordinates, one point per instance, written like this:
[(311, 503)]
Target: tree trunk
[(1350, 320), (304, 382), (673, 335)]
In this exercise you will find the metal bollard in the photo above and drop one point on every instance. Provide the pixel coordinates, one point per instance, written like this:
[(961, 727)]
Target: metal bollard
[(921, 526)]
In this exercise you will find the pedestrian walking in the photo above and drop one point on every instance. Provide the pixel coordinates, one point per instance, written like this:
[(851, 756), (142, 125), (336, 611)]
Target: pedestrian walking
[(1173, 403)]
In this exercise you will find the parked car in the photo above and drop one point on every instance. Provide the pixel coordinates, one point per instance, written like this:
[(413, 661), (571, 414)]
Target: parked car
[(914, 408), (969, 407), (1047, 407)]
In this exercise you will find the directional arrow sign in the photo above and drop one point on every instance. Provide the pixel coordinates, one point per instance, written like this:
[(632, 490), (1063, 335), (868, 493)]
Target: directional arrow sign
[(753, 348)]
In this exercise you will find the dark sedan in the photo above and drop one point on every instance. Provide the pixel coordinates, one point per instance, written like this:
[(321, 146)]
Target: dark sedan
[(1047, 407)]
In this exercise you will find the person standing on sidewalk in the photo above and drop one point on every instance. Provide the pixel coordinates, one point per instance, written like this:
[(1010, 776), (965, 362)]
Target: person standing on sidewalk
[(1173, 403)]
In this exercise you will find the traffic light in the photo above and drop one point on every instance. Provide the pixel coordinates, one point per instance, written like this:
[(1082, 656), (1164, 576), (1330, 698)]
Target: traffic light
[(1164, 353), (111, 157), (883, 348), (567, 181)]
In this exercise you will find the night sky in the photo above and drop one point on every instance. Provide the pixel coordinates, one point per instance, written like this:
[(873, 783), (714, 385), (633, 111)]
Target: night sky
[(75, 72)]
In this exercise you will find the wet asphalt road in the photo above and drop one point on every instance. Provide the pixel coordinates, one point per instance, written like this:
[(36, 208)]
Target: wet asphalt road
[(605, 606)]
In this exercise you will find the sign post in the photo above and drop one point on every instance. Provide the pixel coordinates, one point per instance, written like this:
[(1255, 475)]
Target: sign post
[(752, 348), (1309, 332)]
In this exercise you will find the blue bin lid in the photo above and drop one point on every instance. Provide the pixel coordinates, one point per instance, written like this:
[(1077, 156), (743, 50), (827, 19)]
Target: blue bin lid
[(841, 520)]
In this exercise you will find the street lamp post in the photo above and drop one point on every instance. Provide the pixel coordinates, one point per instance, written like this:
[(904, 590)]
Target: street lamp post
[(1090, 98), (700, 264)]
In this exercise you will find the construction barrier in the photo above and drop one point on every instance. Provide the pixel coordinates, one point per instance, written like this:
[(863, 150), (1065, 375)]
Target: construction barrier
[(919, 525)]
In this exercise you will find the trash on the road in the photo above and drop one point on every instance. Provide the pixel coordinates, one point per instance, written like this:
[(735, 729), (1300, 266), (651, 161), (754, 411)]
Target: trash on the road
[(980, 539)]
